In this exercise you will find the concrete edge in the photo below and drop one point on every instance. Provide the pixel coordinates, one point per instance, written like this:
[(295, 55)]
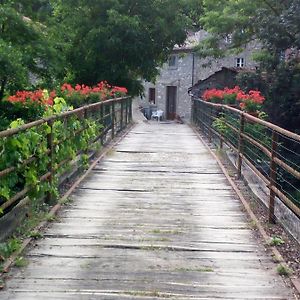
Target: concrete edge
[(295, 281), (54, 210)]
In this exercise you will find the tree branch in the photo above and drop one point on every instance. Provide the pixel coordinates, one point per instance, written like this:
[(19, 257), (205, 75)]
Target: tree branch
[(278, 14), (2, 87)]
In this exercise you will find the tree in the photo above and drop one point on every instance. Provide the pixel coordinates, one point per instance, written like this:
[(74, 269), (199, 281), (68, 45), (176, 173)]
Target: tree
[(121, 41), (276, 24), (26, 51)]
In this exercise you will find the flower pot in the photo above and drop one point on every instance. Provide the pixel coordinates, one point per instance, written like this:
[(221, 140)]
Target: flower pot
[(254, 114)]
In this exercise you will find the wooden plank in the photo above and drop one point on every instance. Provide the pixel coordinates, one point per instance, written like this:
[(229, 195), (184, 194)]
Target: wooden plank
[(155, 219)]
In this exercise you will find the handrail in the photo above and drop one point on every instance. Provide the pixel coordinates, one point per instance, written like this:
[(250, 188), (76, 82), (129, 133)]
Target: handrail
[(256, 142), (112, 116), (12, 131), (283, 131)]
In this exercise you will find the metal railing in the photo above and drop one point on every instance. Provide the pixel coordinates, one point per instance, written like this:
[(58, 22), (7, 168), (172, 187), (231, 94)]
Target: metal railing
[(55, 133), (272, 152)]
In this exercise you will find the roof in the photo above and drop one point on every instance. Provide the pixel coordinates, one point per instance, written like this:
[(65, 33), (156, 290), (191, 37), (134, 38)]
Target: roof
[(223, 69), (192, 40)]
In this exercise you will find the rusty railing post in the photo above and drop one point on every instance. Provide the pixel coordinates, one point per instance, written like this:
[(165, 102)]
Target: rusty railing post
[(273, 175), (221, 132), (122, 115), (197, 115), (112, 119), (130, 109), (49, 196), (240, 146), (126, 112), (85, 117), (209, 117), (193, 112), (202, 118), (102, 123)]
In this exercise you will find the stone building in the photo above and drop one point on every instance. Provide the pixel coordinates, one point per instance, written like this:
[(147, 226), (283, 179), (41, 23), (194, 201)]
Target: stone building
[(226, 77), (183, 69)]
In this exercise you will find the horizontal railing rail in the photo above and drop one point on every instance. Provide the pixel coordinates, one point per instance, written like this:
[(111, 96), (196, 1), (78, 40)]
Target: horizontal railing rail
[(36, 156), (272, 152)]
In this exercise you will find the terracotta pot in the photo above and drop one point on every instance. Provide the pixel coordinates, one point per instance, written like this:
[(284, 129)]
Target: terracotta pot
[(253, 113)]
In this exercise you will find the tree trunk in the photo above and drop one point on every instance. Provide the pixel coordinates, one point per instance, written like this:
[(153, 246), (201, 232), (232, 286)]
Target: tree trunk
[(2, 87)]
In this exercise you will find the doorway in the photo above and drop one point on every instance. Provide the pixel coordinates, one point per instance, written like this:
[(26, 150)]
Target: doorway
[(171, 102)]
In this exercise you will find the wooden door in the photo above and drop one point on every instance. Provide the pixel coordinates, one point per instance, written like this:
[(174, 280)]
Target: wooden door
[(171, 102)]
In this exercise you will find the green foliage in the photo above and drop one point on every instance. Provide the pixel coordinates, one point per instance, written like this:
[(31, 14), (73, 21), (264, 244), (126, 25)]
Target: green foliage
[(276, 241), (12, 245), (255, 131), (21, 262), (28, 112), (27, 51), (283, 270), (276, 25), (35, 234), (230, 99), (220, 125), (70, 136), (43, 42), (121, 41)]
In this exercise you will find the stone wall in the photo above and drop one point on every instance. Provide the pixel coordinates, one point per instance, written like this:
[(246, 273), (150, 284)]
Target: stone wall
[(181, 75)]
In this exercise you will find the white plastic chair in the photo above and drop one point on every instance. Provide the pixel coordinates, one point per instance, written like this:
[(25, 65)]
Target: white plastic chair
[(157, 115)]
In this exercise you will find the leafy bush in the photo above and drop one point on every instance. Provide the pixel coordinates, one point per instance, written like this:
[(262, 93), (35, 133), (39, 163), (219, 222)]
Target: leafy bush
[(28, 111), (70, 136), (27, 151)]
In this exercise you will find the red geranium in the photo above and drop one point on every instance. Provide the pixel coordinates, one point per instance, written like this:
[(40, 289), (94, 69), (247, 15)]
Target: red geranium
[(101, 91), (35, 96), (251, 101), (213, 95)]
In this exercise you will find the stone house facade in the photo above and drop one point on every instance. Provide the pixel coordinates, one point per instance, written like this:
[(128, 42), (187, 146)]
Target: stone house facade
[(183, 69), (226, 77)]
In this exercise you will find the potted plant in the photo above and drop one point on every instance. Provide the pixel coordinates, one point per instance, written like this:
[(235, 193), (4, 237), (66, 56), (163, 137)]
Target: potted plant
[(230, 96), (213, 95), (251, 102)]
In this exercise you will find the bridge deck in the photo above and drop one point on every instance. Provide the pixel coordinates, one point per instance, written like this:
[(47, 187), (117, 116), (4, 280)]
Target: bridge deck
[(155, 219)]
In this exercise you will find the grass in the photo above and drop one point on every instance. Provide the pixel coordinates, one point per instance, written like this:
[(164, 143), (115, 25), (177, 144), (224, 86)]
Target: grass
[(65, 201), (253, 224), (35, 234), (37, 214), (147, 294), (163, 239), (50, 218), (200, 269), (31, 222), (276, 241), (159, 231), (21, 262), (9, 247), (283, 270)]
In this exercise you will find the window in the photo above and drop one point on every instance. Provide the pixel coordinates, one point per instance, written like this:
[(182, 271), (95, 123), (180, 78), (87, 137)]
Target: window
[(282, 55), (152, 95), (173, 61), (239, 62), (228, 39)]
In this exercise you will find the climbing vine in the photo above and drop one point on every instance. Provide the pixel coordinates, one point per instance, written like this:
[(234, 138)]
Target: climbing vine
[(28, 152)]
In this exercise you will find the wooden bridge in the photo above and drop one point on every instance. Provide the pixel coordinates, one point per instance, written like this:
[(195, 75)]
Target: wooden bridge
[(156, 218)]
